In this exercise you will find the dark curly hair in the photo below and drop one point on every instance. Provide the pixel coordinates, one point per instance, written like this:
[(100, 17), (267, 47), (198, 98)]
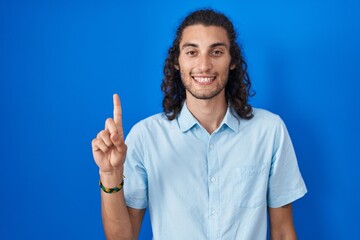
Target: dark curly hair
[(237, 89)]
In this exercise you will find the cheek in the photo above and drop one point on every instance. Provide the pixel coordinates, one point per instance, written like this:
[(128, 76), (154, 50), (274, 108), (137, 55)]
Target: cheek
[(226, 67), (185, 64), (184, 76), (184, 67)]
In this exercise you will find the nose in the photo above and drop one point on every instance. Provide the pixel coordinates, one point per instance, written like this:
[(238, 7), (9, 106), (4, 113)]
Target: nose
[(204, 63)]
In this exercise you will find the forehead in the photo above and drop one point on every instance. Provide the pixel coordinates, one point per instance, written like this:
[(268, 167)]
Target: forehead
[(204, 35)]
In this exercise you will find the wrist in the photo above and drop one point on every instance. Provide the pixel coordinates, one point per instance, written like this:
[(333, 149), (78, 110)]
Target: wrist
[(116, 189), (111, 179)]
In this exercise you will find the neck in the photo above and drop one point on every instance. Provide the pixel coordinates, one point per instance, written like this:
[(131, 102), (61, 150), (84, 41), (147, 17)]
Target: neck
[(209, 113)]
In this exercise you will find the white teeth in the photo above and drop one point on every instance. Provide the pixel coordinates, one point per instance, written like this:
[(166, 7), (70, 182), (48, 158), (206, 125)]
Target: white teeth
[(204, 79)]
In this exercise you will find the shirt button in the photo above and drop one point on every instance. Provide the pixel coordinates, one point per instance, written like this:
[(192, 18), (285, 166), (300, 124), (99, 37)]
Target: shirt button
[(213, 212), (211, 146), (213, 179)]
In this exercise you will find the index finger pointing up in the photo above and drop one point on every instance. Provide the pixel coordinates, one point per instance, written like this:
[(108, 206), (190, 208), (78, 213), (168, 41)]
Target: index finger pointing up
[(117, 112)]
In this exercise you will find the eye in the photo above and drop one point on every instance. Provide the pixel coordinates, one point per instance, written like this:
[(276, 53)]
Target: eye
[(190, 53), (217, 52)]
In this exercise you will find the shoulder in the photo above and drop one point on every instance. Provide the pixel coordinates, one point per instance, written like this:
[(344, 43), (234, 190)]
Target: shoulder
[(152, 123), (156, 120), (262, 116), (263, 123)]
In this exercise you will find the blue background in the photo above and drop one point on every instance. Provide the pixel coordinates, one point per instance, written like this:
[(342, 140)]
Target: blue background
[(60, 63)]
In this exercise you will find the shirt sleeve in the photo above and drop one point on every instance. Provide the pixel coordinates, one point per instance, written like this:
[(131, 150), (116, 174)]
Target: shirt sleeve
[(285, 181), (135, 186)]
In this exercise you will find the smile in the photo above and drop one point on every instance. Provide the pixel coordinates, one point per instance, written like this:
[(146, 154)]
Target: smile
[(204, 79)]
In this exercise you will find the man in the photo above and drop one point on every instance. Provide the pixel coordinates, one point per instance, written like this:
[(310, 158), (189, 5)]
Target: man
[(210, 166)]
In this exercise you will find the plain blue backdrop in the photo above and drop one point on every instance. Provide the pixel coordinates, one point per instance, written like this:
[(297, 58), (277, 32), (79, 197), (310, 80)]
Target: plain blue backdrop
[(61, 61)]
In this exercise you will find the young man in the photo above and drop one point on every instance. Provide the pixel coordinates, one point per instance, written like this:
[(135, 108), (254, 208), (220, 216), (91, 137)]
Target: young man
[(210, 166)]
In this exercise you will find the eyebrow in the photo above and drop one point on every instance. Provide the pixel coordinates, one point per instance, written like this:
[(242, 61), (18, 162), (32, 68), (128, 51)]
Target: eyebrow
[(217, 44)]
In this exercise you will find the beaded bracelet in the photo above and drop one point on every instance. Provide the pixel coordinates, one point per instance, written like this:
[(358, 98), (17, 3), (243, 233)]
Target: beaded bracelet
[(112, 190)]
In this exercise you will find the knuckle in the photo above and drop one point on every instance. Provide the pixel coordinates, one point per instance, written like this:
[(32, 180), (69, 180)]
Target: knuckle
[(93, 142), (120, 143), (123, 148), (103, 133), (108, 121), (110, 125), (99, 134)]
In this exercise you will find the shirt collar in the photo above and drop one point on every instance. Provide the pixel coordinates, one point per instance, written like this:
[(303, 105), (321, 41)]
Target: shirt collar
[(186, 120), (231, 120)]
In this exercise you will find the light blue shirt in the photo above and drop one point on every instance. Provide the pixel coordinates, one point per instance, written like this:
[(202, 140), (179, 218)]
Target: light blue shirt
[(211, 186)]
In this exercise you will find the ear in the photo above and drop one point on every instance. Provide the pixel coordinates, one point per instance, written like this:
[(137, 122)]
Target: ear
[(176, 67), (232, 66)]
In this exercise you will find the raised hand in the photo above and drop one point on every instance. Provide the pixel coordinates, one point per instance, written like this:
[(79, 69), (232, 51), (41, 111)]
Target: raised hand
[(109, 148)]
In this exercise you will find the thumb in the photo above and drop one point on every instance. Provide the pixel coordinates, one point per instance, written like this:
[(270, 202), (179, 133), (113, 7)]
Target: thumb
[(119, 143), (118, 155)]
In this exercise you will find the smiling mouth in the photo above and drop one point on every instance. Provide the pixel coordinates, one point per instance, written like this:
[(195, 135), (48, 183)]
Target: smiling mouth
[(204, 80)]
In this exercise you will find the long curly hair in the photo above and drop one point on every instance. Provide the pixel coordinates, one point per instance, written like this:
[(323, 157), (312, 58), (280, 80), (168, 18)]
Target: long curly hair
[(238, 87)]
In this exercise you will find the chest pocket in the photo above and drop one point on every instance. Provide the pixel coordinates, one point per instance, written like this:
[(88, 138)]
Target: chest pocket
[(250, 185)]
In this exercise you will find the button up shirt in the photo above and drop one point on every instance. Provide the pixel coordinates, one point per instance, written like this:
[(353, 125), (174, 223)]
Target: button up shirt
[(198, 185)]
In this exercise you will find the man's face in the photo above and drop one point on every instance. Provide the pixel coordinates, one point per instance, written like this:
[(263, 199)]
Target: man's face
[(204, 61)]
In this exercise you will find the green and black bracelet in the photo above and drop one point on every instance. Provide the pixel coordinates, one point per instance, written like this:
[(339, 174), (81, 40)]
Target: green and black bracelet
[(112, 190)]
